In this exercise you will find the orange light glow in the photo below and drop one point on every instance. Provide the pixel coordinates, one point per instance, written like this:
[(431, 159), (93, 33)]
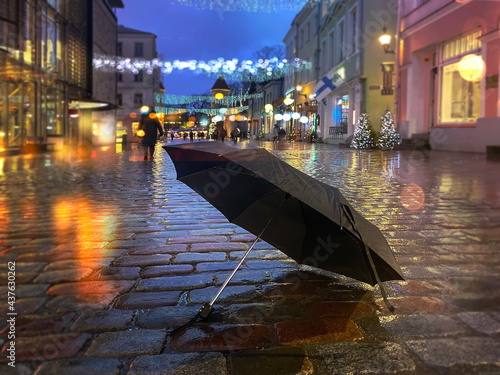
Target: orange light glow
[(133, 115), (239, 118), (412, 197), (192, 119), (472, 68), (152, 115)]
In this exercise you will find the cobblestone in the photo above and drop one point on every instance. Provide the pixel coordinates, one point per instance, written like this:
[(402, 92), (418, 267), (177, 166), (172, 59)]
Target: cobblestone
[(114, 253), (127, 343)]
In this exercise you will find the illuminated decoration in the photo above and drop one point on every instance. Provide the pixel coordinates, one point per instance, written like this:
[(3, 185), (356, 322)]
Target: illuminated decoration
[(388, 137), (362, 137), (304, 119), (217, 118), (262, 69), (472, 68), (247, 5), (207, 111), (219, 96), (227, 101)]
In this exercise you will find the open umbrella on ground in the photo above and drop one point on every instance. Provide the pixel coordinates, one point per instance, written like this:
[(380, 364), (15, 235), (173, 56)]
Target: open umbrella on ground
[(307, 219)]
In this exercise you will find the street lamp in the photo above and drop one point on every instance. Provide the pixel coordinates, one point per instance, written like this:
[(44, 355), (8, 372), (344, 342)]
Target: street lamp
[(385, 40), (299, 89)]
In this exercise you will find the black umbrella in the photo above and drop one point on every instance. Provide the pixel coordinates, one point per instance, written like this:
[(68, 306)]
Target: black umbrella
[(308, 220)]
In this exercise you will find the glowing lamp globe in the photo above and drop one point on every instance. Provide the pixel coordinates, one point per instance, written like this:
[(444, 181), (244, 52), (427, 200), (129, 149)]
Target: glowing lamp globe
[(144, 109), (141, 133), (472, 68), (304, 119), (219, 96), (287, 117), (268, 107), (295, 115), (278, 117)]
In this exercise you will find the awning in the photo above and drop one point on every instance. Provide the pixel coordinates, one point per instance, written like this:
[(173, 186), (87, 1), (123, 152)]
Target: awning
[(95, 105)]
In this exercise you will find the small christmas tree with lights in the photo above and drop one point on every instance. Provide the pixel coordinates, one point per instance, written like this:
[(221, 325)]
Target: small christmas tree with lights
[(363, 137), (388, 137)]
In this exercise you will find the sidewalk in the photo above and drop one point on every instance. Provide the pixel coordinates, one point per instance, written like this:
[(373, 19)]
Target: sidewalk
[(111, 253)]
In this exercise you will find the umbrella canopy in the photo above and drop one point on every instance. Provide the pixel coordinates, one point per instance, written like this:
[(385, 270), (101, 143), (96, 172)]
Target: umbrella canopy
[(310, 221)]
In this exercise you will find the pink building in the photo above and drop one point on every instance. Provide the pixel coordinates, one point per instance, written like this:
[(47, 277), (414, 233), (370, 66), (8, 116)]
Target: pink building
[(447, 76)]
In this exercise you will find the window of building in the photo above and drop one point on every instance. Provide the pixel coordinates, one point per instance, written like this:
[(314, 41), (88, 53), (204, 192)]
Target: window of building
[(119, 77), (138, 49), (460, 98), (119, 99), (119, 49), (459, 46), (137, 100), (324, 53), (341, 45), (459, 89), (353, 35), (139, 77), (331, 47)]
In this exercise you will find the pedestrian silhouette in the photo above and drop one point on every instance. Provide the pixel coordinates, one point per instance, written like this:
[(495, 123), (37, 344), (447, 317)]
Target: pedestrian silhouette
[(152, 129), (191, 136)]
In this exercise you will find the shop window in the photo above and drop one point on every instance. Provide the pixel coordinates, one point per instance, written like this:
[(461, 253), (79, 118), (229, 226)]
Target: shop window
[(459, 83), (460, 98)]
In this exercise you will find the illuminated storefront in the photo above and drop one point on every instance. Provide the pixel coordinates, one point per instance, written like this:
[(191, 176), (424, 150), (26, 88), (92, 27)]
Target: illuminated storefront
[(448, 71)]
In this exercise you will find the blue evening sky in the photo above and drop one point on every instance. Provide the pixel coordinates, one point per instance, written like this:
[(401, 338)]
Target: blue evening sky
[(185, 33)]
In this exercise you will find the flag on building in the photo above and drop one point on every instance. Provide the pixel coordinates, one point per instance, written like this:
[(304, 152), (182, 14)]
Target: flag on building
[(327, 84)]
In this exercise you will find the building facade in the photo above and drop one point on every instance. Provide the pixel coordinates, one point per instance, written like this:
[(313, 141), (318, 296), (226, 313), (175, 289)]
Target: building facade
[(448, 68), (46, 49), (139, 88), (301, 42), (355, 73)]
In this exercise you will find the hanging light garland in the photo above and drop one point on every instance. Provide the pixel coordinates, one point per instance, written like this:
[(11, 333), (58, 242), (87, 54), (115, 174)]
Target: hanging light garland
[(234, 69), (207, 111), (228, 101), (247, 5)]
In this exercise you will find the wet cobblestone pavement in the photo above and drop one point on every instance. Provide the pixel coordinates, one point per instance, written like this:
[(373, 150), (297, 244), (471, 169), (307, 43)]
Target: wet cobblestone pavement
[(111, 253)]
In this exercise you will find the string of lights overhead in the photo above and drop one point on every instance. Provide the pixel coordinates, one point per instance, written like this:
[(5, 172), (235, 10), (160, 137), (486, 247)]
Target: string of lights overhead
[(228, 101), (233, 69), (246, 5)]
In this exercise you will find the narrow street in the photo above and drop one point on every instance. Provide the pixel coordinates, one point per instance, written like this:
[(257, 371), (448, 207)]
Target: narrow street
[(111, 253)]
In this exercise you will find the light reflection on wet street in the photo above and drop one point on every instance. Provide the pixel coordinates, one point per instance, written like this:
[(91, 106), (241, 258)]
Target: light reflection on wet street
[(107, 231)]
